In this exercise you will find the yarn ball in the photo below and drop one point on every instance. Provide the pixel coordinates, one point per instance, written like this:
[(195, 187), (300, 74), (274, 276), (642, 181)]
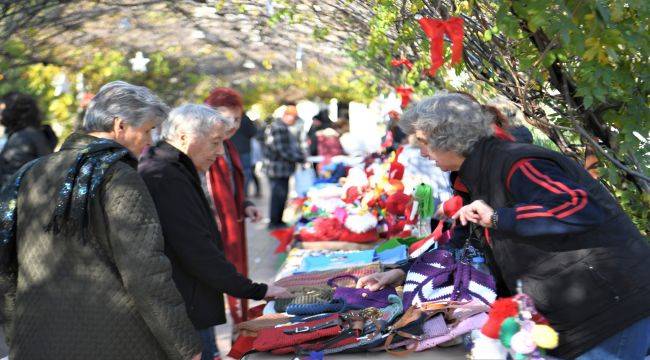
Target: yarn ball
[(545, 337), (501, 309), (509, 328), (396, 203), (522, 342)]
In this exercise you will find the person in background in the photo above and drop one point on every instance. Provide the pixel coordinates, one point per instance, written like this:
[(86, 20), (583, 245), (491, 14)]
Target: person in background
[(548, 223), (257, 157), (191, 138), (27, 138), (515, 119), (282, 153), (82, 270), (226, 183)]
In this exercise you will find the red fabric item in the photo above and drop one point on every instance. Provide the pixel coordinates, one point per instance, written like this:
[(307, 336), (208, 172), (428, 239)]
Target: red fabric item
[(435, 30), (242, 346), (501, 309), (256, 311), (396, 204), (284, 237), (366, 237), (230, 210), (402, 61), (452, 205), (325, 229), (315, 346), (276, 338), (328, 147), (405, 94), (396, 171), (501, 133), (458, 185), (352, 194)]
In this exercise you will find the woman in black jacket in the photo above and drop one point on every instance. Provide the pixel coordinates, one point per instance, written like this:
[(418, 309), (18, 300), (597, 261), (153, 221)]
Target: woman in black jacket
[(549, 224), (27, 139), (192, 137)]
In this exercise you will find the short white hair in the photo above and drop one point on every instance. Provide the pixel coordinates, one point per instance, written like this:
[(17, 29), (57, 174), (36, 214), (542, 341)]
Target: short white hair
[(119, 99), (194, 118)]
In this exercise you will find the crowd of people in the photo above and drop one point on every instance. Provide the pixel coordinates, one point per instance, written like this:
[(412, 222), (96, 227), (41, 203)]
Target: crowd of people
[(119, 246)]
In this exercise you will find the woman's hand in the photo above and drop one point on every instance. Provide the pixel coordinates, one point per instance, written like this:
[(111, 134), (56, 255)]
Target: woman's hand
[(253, 213), (380, 280), (277, 292), (477, 212)]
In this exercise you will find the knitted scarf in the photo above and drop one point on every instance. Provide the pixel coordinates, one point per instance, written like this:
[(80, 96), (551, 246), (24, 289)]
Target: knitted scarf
[(81, 182)]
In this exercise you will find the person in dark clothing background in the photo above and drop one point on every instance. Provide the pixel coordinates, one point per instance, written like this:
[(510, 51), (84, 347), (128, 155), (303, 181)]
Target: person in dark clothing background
[(27, 139), (242, 141), (548, 223), (282, 153), (192, 138)]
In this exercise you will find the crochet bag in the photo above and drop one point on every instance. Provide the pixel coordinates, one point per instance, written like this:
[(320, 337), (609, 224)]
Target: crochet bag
[(437, 276), (361, 298), (295, 334), (305, 295)]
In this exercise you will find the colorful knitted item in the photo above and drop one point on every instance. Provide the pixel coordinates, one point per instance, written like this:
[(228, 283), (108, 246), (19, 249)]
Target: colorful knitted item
[(320, 278), (296, 334), (305, 295), (436, 276)]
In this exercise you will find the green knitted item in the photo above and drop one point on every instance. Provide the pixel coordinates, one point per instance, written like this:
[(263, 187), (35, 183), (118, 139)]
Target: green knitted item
[(424, 196), (395, 242)]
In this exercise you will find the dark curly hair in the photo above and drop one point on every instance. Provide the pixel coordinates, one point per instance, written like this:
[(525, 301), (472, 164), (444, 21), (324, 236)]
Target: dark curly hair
[(21, 111)]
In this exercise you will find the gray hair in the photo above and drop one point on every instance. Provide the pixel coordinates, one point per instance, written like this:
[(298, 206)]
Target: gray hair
[(195, 118), (451, 121), (511, 112), (133, 104)]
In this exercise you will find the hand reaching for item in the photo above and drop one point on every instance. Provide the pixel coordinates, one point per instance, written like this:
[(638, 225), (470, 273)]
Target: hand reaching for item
[(277, 292), (477, 212), (253, 213), (378, 281)]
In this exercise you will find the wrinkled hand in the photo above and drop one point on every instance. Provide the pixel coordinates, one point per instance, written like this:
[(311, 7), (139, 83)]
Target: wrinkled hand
[(277, 292), (253, 213), (380, 280), (477, 212)]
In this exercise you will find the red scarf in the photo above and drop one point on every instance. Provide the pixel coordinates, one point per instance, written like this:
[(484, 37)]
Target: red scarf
[(231, 218)]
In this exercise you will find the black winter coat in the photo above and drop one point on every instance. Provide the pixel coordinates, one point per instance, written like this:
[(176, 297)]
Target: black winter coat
[(192, 239), (589, 285), (24, 146)]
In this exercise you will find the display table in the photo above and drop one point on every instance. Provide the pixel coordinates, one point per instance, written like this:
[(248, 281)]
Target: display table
[(452, 353)]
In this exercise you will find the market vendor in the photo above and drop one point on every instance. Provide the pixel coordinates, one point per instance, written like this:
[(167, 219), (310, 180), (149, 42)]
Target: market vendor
[(192, 137), (550, 224)]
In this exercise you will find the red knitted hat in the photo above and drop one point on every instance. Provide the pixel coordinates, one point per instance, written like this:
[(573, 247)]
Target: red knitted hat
[(501, 309)]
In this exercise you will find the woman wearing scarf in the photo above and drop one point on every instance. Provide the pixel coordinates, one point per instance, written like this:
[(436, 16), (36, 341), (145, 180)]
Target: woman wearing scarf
[(82, 263), (226, 181)]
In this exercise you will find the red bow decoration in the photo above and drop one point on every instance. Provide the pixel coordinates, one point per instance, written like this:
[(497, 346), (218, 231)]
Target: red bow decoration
[(402, 61), (435, 30), (405, 93)]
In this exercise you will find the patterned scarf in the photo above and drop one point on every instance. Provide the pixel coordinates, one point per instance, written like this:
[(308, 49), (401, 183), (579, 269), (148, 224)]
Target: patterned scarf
[(82, 180)]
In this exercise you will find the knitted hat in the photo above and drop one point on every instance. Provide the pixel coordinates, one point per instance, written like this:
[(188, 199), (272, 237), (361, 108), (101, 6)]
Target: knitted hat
[(501, 309)]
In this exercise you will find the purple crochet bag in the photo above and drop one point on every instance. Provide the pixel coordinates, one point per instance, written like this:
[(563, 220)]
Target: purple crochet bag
[(437, 276), (361, 298)]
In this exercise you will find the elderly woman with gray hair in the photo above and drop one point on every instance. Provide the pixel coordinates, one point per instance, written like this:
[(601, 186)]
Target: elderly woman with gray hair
[(548, 223), (192, 138), (82, 266)]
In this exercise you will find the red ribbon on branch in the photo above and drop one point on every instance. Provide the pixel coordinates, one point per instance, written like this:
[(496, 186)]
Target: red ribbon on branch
[(402, 61), (405, 93), (435, 30)]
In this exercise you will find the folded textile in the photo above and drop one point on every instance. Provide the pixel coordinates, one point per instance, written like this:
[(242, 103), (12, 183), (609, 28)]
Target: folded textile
[(336, 260), (320, 278), (393, 256), (252, 327)]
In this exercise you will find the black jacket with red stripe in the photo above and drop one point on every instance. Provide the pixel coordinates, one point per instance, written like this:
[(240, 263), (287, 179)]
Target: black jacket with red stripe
[(590, 282)]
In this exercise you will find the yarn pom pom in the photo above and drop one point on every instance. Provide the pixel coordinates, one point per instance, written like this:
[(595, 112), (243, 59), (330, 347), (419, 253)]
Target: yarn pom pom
[(509, 328), (545, 337), (501, 309), (522, 343)]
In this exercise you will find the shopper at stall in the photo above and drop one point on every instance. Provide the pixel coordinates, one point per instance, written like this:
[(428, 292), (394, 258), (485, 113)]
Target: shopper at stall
[(192, 137), (82, 267), (226, 181), (282, 152), (550, 224), (27, 138)]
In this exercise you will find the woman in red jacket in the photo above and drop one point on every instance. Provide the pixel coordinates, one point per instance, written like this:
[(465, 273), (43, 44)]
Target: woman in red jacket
[(225, 180)]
